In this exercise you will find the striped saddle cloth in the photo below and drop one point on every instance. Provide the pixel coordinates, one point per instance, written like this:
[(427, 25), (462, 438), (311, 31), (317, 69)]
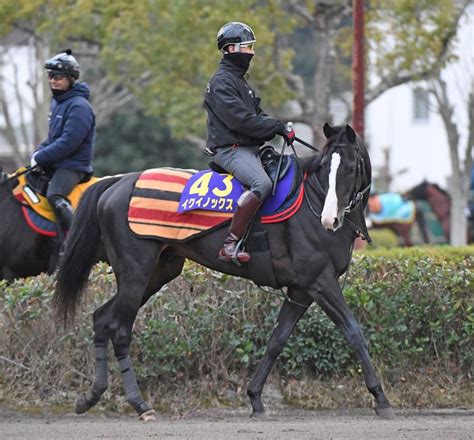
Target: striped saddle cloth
[(177, 204)]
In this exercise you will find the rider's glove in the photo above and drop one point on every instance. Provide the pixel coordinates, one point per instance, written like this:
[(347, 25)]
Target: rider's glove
[(33, 162), (287, 132)]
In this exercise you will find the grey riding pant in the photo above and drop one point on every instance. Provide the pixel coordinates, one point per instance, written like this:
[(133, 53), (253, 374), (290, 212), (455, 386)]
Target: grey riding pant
[(63, 182), (244, 163)]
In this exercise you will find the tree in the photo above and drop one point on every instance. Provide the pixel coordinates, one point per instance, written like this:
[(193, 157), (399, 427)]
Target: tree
[(420, 47), (405, 41), (461, 155), (24, 111), (132, 141), (162, 52), (409, 40)]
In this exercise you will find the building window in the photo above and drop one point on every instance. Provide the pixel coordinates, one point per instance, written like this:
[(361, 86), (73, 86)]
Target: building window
[(421, 105)]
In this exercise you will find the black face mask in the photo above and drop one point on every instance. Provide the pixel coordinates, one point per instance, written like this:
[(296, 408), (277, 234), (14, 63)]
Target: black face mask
[(240, 59), (57, 92)]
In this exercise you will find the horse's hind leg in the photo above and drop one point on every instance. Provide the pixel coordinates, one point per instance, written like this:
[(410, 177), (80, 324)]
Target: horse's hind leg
[(135, 285), (87, 400), (108, 325), (289, 315), (329, 296)]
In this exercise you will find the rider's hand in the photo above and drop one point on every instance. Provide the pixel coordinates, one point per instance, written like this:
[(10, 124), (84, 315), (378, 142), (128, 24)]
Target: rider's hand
[(286, 130), (33, 162)]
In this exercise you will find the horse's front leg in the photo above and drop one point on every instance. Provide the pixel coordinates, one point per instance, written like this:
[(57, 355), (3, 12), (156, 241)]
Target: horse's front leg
[(329, 296), (290, 313)]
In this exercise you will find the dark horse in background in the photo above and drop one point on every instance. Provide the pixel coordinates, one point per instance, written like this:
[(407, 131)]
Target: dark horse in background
[(24, 252), (309, 251), (439, 200)]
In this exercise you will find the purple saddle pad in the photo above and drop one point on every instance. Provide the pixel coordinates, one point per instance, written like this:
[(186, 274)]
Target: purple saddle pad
[(211, 191)]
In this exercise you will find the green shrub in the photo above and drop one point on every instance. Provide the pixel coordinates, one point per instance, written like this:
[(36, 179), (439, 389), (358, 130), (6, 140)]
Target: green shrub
[(414, 305), (383, 238)]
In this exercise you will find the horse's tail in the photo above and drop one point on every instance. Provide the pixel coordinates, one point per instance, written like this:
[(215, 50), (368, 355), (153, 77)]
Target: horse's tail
[(80, 252)]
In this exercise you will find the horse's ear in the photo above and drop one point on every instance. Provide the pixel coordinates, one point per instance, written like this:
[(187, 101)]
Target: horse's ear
[(328, 130), (350, 133)]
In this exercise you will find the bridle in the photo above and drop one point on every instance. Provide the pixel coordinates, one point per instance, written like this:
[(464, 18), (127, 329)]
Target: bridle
[(357, 197), (5, 177), (358, 193)]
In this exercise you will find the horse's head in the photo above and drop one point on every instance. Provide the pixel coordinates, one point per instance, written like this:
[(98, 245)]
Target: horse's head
[(418, 192), (345, 173)]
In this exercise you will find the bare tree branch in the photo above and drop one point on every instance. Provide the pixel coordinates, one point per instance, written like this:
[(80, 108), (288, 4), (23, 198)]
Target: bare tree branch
[(20, 102), (396, 79), (300, 11), (470, 138)]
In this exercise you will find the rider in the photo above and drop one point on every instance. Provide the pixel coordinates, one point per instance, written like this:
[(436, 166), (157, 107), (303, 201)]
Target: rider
[(237, 127), (69, 148)]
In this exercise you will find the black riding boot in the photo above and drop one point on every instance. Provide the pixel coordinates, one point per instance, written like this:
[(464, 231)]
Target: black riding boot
[(248, 205), (64, 214)]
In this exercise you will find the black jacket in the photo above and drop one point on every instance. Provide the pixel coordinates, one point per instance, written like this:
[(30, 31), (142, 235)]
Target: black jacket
[(234, 116)]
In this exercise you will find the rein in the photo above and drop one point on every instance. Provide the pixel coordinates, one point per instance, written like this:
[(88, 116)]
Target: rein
[(13, 176)]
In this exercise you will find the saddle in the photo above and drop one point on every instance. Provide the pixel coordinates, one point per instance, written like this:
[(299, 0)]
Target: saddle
[(38, 181), (270, 161), (391, 208), (30, 191)]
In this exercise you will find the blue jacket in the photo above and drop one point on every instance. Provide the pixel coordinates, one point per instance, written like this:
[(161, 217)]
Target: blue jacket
[(71, 132)]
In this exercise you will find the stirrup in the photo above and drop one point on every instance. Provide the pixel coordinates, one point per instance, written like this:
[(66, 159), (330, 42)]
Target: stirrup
[(233, 257)]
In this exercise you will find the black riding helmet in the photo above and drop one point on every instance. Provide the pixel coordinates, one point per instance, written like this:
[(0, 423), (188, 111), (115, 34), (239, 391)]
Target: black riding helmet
[(64, 63), (234, 33)]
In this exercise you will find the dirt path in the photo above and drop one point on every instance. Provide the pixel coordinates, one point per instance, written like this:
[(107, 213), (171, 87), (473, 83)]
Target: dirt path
[(232, 424)]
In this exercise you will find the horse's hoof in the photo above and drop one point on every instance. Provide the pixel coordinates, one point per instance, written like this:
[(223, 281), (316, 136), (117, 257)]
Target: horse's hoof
[(258, 415), (81, 404), (147, 416), (386, 413)]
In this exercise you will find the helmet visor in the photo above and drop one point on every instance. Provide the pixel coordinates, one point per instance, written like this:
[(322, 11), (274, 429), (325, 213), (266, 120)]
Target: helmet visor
[(249, 45), (56, 75)]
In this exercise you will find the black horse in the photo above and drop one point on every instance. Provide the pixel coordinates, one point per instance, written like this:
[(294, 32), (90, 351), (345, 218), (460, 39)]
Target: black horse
[(310, 251), (24, 252)]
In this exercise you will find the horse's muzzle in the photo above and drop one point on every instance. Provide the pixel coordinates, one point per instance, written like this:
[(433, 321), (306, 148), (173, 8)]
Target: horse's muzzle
[(331, 223)]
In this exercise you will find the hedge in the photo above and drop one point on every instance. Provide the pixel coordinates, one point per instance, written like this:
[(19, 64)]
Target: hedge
[(415, 307)]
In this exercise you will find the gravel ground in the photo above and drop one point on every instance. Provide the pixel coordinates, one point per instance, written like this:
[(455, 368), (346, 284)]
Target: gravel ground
[(235, 424)]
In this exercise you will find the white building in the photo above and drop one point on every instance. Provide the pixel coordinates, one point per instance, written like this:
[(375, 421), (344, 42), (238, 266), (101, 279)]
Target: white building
[(404, 121)]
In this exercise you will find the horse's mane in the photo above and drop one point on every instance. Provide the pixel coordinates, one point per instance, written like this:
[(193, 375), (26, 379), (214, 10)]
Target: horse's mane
[(438, 188), (424, 185), (310, 164)]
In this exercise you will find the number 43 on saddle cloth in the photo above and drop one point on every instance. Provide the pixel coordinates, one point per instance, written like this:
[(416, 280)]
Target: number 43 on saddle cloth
[(177, 205)]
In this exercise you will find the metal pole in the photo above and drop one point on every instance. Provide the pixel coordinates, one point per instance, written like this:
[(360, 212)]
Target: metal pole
[(358, 103)]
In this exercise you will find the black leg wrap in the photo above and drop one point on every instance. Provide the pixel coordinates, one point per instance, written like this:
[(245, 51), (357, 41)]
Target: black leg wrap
[(141, 407), (132, 392)]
